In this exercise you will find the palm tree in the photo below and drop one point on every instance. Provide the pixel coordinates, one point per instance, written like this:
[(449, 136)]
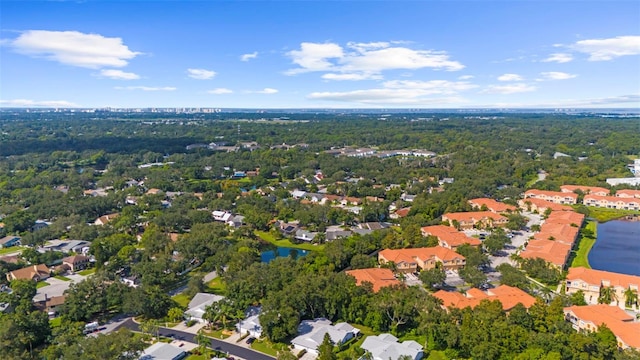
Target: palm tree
[(203, 342), (607, 295), (631, 297)]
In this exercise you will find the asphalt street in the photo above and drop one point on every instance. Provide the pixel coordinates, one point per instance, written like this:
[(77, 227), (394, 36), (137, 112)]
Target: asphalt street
[(231, 349)]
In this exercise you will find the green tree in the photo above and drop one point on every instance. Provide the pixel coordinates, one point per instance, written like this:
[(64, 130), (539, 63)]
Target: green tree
[(630, 297), (175, 314), (607, 295), (433, 277), (325, 349)]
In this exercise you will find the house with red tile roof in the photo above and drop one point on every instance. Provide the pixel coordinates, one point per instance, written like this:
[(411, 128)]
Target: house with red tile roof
[(591, 281), (491, 205), (416, 259), (593, 190), (553, 252), (378, 277), (591, 317), (627, 193), (612, 202), (400, 213), (477, 219), (557, 197), (449, 237), (508, 296), (541, 206)]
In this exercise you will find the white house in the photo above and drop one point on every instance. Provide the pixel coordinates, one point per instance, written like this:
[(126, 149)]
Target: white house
[(311, 333), (386, 346), (251, 324), (223, 216), (163, 351), (198, 304)]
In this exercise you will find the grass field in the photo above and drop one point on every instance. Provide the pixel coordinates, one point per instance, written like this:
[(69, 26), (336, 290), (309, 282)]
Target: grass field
[(604, 214), (41, 284), (87, 272), (267, 347), (437, 355), (55, 322), (63, 278), (216, 286), (11, 249), (182, 300), (584, 246), (286, 243)]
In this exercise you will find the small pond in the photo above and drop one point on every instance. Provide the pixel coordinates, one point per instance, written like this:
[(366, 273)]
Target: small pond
[(269, 255), (617, 248)]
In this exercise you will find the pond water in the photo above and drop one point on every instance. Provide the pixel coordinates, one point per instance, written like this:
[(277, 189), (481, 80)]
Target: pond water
[(267, 256), (617, 247)]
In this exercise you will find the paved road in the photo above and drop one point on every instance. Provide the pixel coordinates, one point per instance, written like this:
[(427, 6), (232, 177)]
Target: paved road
[(215, 344)]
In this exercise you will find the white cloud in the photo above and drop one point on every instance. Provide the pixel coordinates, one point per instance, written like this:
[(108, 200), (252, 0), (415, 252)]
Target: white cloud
[(146, 88), (365, 58), (267, 91), (509, 89), (37, 103), (74, 48), (608, 49), (383, 97), (402, 92), (510, 77), (351, 76), (247, 57), (118, 74), (314, 57), (465, 77), (220, 91), (559, 58), (430, 87), (556, 75), (201, 74)]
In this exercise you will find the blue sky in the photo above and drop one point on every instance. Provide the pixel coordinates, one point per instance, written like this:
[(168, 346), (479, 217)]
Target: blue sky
[(305, 54)]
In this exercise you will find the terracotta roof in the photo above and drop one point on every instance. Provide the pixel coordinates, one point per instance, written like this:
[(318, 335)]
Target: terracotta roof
[(106, 218), (550, 251), (473, 216), (410, 255), (628, 193), (584, 189), (565, 217), (536, 192), (564, 233), (449, 235), (611, 199), (507, 295), (492, 205), (379, 277), (616, 319), (544, 204), (597, 277), (403, 212), (29, 272)]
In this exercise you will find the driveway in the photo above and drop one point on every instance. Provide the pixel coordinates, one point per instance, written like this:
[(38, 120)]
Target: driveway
[(56, 287), (232, 349)]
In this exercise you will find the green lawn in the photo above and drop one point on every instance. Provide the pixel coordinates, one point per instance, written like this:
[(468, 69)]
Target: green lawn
[(216, 286), (63, 278), (217, 334), (604, 214), (437, 355), (267, 347), (584, 246), (55, 322), (197, 357), (287, 243), (87, 272), (11, 249), (182, 300)]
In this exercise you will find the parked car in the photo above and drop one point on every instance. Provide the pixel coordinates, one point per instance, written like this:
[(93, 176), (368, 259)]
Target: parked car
[(250, 340)]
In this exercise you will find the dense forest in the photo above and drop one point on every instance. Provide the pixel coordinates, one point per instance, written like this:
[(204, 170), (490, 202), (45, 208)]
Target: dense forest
[(50, 160)]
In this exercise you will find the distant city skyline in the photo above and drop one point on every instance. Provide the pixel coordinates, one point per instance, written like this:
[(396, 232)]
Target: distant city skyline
[(307, 54)]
